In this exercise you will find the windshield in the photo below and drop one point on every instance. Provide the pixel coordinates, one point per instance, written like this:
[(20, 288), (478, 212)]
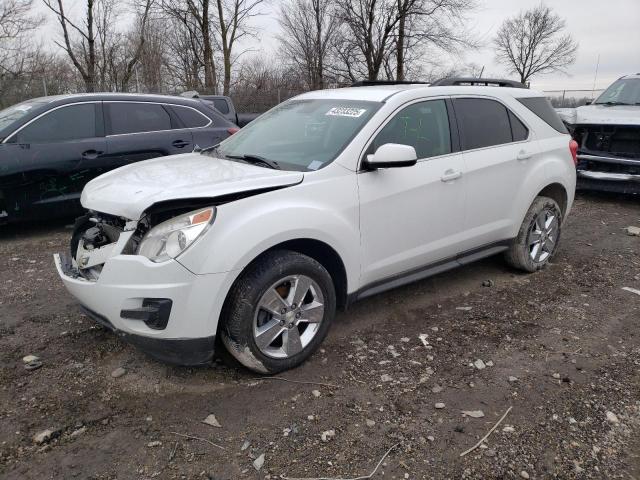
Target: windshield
[(625, 91), (16, 112), (301, 134)]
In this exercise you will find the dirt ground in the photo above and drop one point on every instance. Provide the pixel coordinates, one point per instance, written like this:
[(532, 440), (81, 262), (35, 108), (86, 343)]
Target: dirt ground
[(560, 348)]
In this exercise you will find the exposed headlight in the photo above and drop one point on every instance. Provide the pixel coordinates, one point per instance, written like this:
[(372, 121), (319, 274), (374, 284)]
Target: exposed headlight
[(169, 239)]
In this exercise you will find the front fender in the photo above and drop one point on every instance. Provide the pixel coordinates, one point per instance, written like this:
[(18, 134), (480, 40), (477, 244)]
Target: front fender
[(246, 228)]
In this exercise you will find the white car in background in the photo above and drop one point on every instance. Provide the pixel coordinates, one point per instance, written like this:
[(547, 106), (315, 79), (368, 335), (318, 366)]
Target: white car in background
[(328, 198), (608, 136)]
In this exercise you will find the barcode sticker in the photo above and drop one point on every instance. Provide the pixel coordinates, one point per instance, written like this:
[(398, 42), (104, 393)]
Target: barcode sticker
[(346, 112)]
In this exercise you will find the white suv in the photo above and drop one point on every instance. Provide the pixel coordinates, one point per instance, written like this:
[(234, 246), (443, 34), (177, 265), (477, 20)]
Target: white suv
[(328, 198)]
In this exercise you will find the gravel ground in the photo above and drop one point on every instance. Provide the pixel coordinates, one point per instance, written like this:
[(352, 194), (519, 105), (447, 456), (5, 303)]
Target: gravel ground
[(559, 348)]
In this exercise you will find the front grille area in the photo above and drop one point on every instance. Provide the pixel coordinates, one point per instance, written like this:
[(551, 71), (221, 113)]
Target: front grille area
[(612, 140)]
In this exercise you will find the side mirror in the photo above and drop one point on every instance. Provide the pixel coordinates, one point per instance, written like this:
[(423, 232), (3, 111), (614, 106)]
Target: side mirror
[(588, 102), (392, 155)]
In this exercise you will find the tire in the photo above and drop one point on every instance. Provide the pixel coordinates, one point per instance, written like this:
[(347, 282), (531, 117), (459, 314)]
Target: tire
[(79, 227), (522, 253), (262, 303)]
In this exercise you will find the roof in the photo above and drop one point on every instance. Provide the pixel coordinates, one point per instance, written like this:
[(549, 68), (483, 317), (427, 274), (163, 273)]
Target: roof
[(633, 75), (141, 97), (380, 93)]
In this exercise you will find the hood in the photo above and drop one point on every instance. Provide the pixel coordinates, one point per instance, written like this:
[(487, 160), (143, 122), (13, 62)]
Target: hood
[(601, 115), (128, 191)]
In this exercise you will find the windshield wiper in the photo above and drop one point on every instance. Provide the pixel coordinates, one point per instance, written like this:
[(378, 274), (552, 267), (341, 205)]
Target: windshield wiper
[(256, 160), (612, 104)]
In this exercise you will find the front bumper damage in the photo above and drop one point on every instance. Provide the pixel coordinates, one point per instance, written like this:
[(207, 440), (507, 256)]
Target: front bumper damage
[(608, 174), (608, 158), (163, 308)]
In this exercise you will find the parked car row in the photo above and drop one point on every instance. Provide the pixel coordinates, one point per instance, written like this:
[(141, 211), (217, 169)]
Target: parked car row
[(326, 199), (51, 147)]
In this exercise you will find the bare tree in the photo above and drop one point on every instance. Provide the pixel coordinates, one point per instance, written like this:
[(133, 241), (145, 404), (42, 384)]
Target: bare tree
[(17, 22), (194, 20), (367, 36), (233, 18), (533, 43), (87, 43), (425, 24), (308, 31)]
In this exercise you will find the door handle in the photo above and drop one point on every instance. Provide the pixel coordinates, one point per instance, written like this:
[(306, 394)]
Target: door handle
[(91, 154), (180, 143), (450, 175), (524, 155)]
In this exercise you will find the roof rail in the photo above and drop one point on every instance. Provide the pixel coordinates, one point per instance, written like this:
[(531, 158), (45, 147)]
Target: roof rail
[(483, 82), (372, 83)]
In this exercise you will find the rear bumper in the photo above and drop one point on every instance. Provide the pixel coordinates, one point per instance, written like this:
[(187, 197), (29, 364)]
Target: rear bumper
[(128, 282)]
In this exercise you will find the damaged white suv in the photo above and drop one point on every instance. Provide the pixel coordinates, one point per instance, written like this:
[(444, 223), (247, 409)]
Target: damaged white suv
[(330, 197)]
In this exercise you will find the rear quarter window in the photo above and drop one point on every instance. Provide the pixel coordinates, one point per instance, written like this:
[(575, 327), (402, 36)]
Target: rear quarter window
[(543, 109), (190, 117), (221, 105)]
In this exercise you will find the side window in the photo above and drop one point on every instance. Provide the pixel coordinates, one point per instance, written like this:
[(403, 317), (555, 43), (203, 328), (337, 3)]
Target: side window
[(543, 109), (424, 126), (518, 129), (74, 122), (132, 117), (190, 117), (483, 122)]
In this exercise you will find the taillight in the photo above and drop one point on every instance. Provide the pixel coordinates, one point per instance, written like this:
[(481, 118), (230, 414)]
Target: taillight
[(573, 146), (233, 130)]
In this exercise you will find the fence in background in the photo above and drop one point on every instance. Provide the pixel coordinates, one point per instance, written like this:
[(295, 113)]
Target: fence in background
[(571, 98)]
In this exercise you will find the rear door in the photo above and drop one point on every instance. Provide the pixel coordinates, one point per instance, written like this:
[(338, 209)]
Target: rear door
[(498, 149), (143, 130), (51, 151)]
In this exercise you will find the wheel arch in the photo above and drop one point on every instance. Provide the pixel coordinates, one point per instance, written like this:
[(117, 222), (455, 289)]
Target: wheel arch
[(320, 251), (557, 192)]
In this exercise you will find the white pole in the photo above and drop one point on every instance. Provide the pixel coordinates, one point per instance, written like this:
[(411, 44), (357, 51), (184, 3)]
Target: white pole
[(595, 78)]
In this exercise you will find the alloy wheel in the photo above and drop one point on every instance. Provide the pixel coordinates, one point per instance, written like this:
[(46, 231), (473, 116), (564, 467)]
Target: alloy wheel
[(288, 316), (543, 235)]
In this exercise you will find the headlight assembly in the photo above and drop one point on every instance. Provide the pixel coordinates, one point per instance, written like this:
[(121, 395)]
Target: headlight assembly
[(170, 238)]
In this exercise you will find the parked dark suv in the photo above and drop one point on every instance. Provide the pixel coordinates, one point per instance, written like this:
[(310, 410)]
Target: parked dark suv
[(51, 147)]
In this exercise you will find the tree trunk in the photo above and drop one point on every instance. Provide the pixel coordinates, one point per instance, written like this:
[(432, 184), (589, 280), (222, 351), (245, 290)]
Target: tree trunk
[(90, 80), (209, 66), (319, 74), (400, 44), (226, 51)]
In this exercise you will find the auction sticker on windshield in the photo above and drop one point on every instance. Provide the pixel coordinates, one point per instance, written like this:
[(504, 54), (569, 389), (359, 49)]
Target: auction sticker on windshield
[(346, 112)]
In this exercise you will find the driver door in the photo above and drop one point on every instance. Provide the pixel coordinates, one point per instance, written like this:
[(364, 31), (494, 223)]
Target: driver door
[(413, 217)]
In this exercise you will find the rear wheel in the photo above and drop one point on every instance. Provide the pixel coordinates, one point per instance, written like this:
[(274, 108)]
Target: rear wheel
[(538, 238), (278, 312)]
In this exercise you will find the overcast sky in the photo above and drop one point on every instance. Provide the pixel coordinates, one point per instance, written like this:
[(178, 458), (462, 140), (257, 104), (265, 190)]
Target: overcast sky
[(609, 28)]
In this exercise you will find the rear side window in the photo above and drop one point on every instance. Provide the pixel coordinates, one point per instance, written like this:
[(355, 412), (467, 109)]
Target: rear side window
[(74, 122), (518, 130), (543, 109), (128, 117), (482, 122), (221, 105), (190, 117), (423, 126)]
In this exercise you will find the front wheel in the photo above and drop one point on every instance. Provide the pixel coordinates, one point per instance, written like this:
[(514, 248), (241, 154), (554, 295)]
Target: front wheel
[(538, 238), (278, 312)]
